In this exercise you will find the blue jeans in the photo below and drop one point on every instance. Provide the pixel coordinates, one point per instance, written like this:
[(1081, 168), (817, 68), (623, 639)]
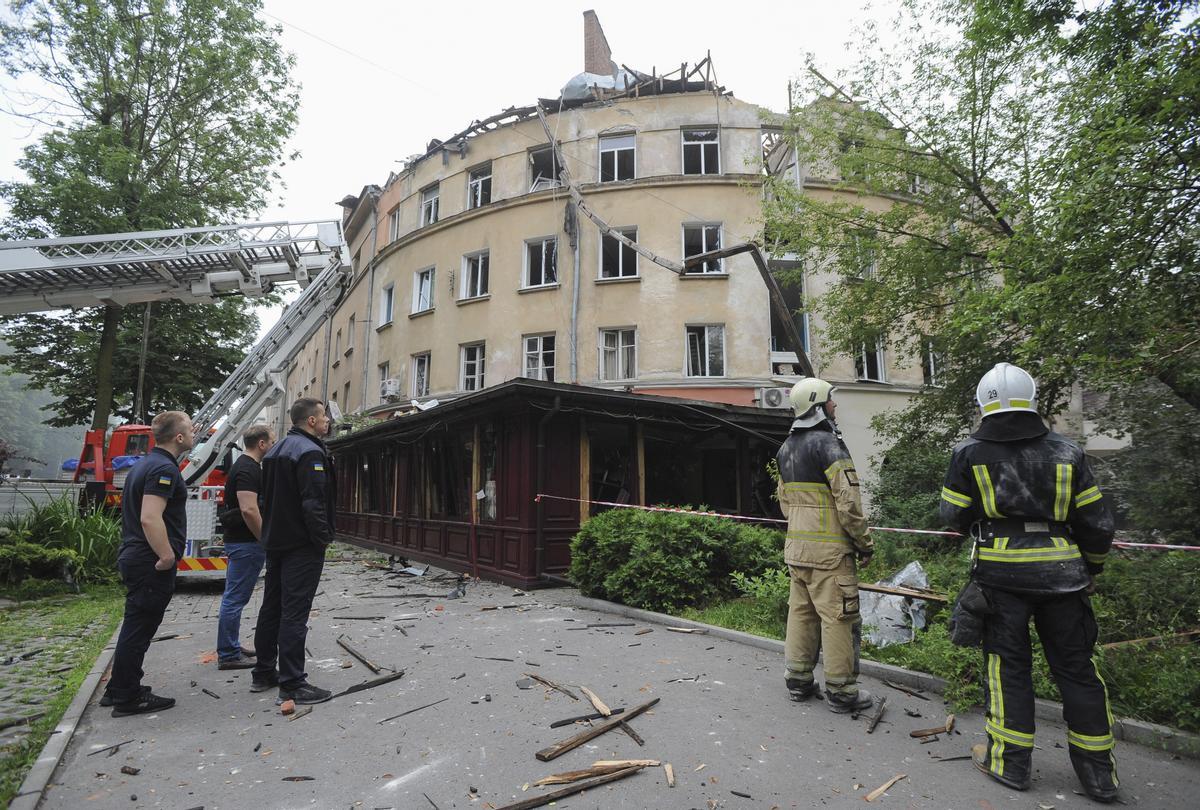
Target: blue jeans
[(245, 564)]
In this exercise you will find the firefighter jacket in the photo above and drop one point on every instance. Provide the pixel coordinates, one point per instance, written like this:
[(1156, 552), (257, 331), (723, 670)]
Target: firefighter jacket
[(1028, 498), (297, 495), (819, 493)]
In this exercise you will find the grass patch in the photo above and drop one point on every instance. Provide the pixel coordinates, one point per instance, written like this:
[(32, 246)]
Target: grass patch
[(737, 614), (89, 622)]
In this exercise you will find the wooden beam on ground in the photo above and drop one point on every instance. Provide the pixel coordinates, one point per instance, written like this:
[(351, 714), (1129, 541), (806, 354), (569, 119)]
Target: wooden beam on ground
[(371, 684), (552, 685), (596, 701), (547, 798), (362, 659), (558, 749), (892, 590)]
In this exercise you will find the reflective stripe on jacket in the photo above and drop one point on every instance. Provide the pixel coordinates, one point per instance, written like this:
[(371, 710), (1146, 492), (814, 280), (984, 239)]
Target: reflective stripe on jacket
[(819, 494)]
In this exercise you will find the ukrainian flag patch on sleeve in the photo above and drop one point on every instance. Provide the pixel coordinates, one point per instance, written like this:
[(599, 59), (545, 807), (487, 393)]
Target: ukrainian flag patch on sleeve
[(318, 466), (164, 480)]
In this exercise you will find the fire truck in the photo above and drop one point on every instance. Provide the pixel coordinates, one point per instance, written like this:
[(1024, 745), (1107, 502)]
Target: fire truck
[(196, 265)]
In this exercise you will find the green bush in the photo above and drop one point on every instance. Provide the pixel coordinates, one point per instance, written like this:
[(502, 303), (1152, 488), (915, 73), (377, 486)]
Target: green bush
[(91, 538), (665, 561), (770, 592), (20, 560)]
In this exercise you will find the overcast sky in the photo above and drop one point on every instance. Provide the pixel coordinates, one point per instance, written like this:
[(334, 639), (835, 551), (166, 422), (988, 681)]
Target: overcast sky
[(381, 79)]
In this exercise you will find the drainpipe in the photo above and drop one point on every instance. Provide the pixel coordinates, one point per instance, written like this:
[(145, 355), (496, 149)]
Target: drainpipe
[(367, 329), (539, 548), (573, 221)]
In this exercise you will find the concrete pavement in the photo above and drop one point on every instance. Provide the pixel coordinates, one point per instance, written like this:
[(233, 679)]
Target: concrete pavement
[(724, 721)]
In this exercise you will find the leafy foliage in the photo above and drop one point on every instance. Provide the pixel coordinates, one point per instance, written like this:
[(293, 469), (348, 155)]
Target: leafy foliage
[(664, 561), (57, 539), (158, 114)]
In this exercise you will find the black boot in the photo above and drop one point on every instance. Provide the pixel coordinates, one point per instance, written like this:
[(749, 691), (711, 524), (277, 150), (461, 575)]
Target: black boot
[(979, 756), (799, 690), (846, 702), (1098, 779)]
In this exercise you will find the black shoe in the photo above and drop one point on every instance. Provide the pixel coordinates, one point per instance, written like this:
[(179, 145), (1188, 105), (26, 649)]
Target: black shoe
[(800, 691), (846, 702), (106, 699), (1097, 779), (147, 703), (979, 757), (241, 662), (304, 694), (249, 653), (262, 684)]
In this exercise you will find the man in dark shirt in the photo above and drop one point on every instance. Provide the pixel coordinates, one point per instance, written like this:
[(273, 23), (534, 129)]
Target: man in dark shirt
[(298, 519), (243, 526), (153, 536)]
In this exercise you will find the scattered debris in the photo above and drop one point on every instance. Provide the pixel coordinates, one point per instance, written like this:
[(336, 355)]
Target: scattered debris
[(410, 711), (625, 763), (1189, 634), (487, 658), (130, 770), (562, 793), (301, 712), (670, 772), (574, 776), (741, 795), (946, 728), (596, 701), (905, 690), (558, 749), (287, 707), (362, 659), (552, 685), (878, 715), (685, 678), (357, 618), (164, 637), (257, 747), (911, 712), (371, 684), (459, 676), (211, 694), (596, 716), (413, 571), (633, 735), (696, 630), (882, 789), (608, 624), (643, 631), (299, 779), (952, 759), (700, 767), (108, 748), (431, 801)]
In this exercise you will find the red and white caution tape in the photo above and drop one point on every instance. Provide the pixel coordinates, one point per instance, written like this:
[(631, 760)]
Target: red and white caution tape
[(673, 510)]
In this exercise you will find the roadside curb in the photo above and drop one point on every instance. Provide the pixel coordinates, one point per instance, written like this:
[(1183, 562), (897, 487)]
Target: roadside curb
[(1150, 735), (30, 794)]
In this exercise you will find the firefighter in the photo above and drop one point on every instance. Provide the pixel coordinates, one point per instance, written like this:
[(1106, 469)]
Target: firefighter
[(818, 490), (1041, 531)]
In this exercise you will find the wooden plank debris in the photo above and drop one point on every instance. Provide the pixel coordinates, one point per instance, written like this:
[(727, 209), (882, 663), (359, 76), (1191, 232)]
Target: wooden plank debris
[(371, 684), (670, 772), (552, 685), (878, 715), (211, 694), (568, 721), (905, 690), (643, 631), (882, 789), (696, 630), (945, 728), (596, 701), (301, 712), (108, 748), (574, 776), (633, 735), (357, 618), (625, 763), (553, 796), (892, 590), (560, 748), (410, 711)]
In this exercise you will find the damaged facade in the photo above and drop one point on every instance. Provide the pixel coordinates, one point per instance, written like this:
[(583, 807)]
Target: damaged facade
[(473, 269)]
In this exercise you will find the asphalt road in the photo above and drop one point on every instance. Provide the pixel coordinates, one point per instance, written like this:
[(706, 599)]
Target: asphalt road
[(723, 721)]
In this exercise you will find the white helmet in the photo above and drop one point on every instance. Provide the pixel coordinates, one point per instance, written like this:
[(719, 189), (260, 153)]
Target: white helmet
[(808, 401), (1006, 388)]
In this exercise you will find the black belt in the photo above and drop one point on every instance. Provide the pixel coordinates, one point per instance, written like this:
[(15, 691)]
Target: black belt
[(1009, 527)]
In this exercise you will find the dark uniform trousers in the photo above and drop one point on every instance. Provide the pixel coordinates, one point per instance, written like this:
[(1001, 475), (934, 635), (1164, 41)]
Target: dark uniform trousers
[(147, 594), (1067, 629), (288, 590)]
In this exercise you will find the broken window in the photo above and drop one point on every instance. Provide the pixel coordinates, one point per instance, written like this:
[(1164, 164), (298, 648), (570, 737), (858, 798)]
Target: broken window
[(429, 205), (864, 257), (617, 157), (612, 462), (394, 224), (791, 284), (539, 357), (479, 186), (475, 275), (701, 151), (472, 367), (618, 354), (699, 239), (420, 384), (423, 290), (932, 362), (618, 260), (778, 156), (441, 476), (868, 364), (706, 351), (541, 262), (543, 169), (489, 447)]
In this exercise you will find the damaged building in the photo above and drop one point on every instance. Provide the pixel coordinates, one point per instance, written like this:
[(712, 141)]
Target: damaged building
[(482, 296)]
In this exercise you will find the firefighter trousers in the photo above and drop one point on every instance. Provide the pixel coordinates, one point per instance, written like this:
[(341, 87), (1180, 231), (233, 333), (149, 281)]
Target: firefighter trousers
[(823, 615), (1067, 629)]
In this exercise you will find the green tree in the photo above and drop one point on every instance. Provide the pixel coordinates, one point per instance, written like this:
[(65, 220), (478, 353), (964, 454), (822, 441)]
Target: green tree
[(1040, 167), (160, 114)]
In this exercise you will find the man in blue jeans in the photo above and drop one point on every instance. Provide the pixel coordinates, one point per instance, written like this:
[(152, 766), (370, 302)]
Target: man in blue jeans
[(242, 522)]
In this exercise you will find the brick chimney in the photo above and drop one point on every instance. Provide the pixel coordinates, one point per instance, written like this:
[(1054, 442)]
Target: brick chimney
[(597, 56)]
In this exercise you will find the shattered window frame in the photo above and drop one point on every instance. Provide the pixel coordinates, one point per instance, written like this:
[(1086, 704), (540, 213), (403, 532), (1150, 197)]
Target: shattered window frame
[(423, 286), (869, 361), (420, 380), (613, 251), (700, 342), (541, 270), (538, 351), (473, 359), (430, 202), (699, 149), (618, 344), (708, 233), (385, 373), (479, 186), (539, 182), (475, 272), (619, 150), (932, 362)]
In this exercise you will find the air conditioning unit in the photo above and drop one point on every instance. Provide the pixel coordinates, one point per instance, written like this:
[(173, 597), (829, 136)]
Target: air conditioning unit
[(389, 388), (774, 397)]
